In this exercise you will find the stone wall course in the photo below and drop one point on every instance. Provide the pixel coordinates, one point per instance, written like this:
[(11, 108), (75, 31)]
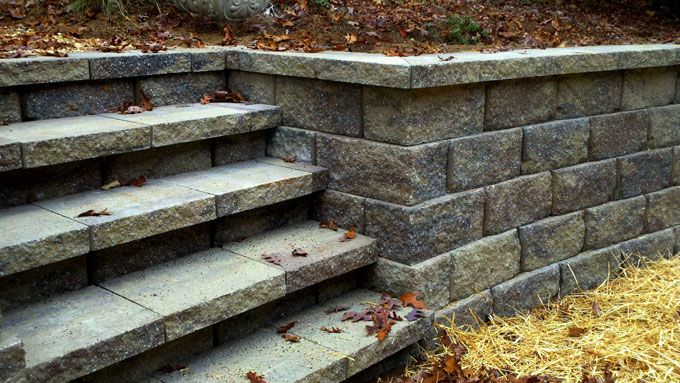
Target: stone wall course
[(133, 64), (618, 134), (588, 94), (555, 145), (526, 291), (484, 263), (346, 210), (643, 88), (663, 209), (517, 202), (551, 240), (240, 147), (324, 106), (10, 154), (41, 70), (644, 172), (588, 270), (484, 159), (468, 312), (411, 234), (614, 222), (583, 186), (664, 126), (361, 167), (411, 117), (517, 103), (185, 88), (649, 247), (10, 107), (676, 166), (255, 87), (292, 143)]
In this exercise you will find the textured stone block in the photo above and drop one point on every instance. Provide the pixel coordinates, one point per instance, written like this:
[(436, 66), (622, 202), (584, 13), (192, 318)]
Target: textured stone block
[(319, 174), (614, 222), (468, 312), (19, 187), (617, 134), (127, 258), (413, 234), (483, 264), (330, 107), (363, 167), (555, 145), (551, 240), (677, 240), (346, 210), (24, 245), (650, 247), (663, 209), (10, 154), (337, 286), (484, 159), (240, 147), (327, 256), (643, 88), (10, 109), (676, 166), (410, 117), (255, 87), (75, 99), (588, 270), (199, 290), (40, 70), (430, 277), (76, 138), (12, 357), (664, 126), (181, 88), (583, 186), (521, 102), (168, 206), (526, 291), (588, 94), (134, 64), (517, 202), (63, 335), (299, 144), (160, 162), (642, 173), (207, 60), (37, 284)]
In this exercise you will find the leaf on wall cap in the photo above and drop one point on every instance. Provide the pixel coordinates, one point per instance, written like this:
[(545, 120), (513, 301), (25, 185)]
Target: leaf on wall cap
[(410, 299)]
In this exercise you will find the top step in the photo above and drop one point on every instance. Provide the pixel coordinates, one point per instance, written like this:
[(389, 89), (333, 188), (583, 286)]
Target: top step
[(48, 142)]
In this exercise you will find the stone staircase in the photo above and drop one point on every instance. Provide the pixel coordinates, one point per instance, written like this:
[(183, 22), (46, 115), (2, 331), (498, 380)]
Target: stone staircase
[(134, 290)]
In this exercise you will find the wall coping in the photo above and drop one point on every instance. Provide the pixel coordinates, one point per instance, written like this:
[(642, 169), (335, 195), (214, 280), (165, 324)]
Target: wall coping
[(413, 72)]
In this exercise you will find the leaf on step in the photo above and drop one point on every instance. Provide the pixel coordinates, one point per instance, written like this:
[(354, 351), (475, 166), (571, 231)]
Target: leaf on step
[(222, 96), (93, 213), (254, 377), (145, 102), (389, 303), (576, 332), (172, 367), (336, 309), (273, 259), (331, 330), (289, 159), (111, 185), (410, 299), (291, 338), (330, 225), (355, 316), (415, 314), (349, 235), (138, 182), (284, 329), (132, 109), (299, 252)]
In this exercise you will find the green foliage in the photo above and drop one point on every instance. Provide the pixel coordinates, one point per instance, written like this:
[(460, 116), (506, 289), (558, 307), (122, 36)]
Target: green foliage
[(464, 30)]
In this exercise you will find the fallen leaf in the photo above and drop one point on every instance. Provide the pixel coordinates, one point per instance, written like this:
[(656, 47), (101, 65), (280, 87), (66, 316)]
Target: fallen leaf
[(355, 316), (451, 365), (111, 185), (576, 332), (291, 338), (411, 300), (222, 96), (336, 309), (382, 334), (93, 213), (299, 252), (145, 102), (350, 234), (331, 330), (330, 225), (254, 377), (273, 259), (284, 329), (137, 182), (415, 314), (596, 308), (133, 109)]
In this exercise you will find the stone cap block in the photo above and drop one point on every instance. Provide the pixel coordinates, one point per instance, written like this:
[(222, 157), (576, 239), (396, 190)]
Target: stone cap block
[(42, 70)]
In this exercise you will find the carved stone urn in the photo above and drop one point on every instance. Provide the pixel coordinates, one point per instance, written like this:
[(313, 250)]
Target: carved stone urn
[(223, 9)]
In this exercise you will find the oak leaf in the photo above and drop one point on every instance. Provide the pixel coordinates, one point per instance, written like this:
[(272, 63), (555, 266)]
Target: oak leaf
[(254, 377), (299, 252), (145, 102), (351, 234), (576, 332), (273, 259), (291, 338), (93, 213), (410, 299), (331, 330), (330, 225), (284, 329), (415, 314)]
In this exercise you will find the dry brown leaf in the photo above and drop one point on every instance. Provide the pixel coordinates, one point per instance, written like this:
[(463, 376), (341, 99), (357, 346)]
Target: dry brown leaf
[(331, 330), (93, 213), (273, 259), (291, 338), (145, 102), (284, 329), (111, 185), (330, 225), (576, 332), (254, 377), (299, 252), (411, 299)]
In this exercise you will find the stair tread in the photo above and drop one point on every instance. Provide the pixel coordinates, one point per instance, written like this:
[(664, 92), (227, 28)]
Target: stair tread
[(168, 300), (161, 205), (318, 356), (54, 141), (74, 334)]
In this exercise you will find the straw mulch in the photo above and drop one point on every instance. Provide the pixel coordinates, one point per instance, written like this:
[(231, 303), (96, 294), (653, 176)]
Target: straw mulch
[(625, 331)]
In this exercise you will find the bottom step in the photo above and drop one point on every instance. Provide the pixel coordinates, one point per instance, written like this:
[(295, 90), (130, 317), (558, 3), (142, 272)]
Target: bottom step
[(318, 356)]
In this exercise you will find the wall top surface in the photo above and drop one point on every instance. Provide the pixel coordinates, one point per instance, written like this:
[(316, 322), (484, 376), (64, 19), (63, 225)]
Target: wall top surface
[(414, 72)]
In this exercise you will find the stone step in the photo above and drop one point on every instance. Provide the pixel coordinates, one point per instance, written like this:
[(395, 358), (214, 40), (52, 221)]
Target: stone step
[(74, 334), (12, 357), (55, 141), (159, 206), (317, 357)]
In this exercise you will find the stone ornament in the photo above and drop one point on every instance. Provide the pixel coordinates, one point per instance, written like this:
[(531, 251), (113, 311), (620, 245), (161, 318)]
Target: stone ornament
[(223, 9)]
